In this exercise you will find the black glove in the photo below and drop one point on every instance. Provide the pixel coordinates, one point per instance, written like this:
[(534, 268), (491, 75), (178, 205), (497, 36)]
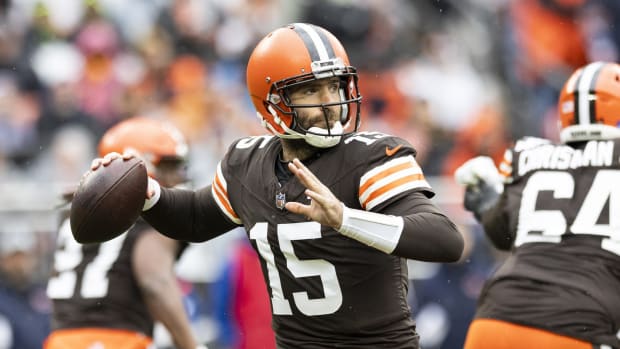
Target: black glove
[(480, 197)]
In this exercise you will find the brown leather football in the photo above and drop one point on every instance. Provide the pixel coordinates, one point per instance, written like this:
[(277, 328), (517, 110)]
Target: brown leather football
[(108, 201)]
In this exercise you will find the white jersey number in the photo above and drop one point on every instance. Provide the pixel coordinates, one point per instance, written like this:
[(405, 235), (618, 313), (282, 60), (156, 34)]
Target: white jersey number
[(552, 223), (95, 281), (326, 271)]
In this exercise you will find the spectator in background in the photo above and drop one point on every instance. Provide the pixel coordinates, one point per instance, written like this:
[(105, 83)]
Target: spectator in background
[(19, 112), (241, 301), (485, 134), (24, 308), (59, 66), (544, 43), (111, 293), (100, 89), (189, 100)]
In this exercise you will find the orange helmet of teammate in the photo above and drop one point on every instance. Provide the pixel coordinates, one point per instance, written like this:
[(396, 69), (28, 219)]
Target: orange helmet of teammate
[(155, 141), (589, 103), (296, 54)]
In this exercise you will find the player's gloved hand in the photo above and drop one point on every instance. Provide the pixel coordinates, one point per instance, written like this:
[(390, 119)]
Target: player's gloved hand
[(483, 184)]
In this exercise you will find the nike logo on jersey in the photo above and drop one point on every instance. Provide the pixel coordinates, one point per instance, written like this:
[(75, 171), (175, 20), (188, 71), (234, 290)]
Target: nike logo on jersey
[(390, 152)]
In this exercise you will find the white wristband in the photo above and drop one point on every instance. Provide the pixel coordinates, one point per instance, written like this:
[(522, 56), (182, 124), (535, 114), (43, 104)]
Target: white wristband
[(156, 189), (376, 230)]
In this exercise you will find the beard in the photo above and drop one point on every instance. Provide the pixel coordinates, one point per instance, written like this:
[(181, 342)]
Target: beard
[(300, 147)]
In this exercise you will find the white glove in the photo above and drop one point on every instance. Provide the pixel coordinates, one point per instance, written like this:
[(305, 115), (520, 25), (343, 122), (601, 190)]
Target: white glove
[(483, 184), (479, 169)]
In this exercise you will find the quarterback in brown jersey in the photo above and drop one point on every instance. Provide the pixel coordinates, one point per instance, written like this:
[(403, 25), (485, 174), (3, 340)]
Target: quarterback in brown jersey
[(108, 295), (332, 212), (557, 208)]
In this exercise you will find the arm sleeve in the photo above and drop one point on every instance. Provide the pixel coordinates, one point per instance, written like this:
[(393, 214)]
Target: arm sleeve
[(188, 215), (496, 225), (428, 235)]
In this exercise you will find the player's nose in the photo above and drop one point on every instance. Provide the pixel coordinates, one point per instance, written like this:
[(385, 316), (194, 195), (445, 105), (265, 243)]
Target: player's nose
[(328, 95)]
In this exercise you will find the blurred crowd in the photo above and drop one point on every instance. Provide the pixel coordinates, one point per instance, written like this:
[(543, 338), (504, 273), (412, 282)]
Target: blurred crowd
[(457, 78)]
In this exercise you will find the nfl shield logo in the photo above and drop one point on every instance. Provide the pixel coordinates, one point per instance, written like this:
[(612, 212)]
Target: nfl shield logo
[(280, 200)]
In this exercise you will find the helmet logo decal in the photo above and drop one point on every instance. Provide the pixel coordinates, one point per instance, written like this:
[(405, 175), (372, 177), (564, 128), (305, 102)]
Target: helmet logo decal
[(585, 101), (315, 41)]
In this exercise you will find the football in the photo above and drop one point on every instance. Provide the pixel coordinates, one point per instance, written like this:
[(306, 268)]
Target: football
[(108, 201)]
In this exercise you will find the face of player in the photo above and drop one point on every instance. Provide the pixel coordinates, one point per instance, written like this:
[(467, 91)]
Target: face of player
[(318, 92)]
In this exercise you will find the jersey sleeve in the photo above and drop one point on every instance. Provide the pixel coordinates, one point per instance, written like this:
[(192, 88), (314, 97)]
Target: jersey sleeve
[(389, 170), (390, 179), (392, 182), (219, 190), (235, 173)]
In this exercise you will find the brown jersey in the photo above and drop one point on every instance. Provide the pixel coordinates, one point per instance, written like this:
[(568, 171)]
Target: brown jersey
[(93, 285), (327, 290), (561, 204)]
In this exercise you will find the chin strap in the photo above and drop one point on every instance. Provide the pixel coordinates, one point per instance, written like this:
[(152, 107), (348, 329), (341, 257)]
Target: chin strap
[(320, 137), (376, 230)]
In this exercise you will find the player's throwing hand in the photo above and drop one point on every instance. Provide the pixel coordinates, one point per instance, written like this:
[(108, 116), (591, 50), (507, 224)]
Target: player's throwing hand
[(324, 207)]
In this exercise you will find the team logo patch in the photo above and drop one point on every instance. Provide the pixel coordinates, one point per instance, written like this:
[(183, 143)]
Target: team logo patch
[(280, 200)]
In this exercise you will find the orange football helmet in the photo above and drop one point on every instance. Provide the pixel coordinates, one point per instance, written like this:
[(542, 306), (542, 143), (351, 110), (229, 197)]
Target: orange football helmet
[(589, 103), (292, 55), (158, 142)]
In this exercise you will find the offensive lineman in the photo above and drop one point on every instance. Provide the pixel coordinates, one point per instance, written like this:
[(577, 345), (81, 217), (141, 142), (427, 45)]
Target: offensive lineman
[(558, 210)]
